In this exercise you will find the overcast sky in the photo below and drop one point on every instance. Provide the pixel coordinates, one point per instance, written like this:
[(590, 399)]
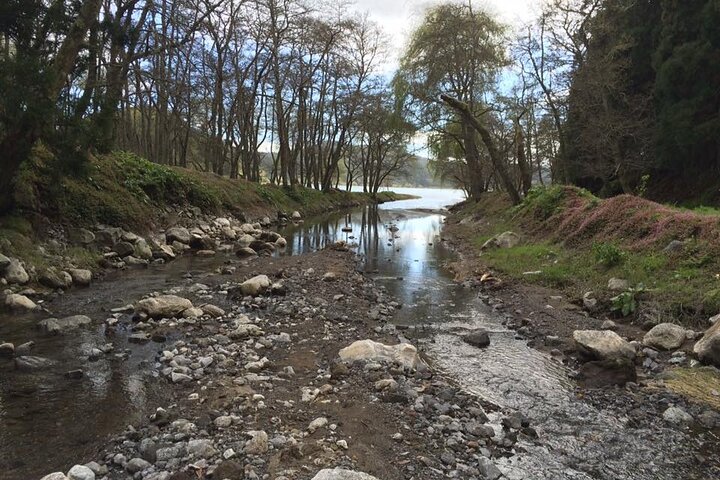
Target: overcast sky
[(398, 17)]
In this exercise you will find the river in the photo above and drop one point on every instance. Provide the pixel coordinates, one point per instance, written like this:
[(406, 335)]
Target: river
[(46, 419)]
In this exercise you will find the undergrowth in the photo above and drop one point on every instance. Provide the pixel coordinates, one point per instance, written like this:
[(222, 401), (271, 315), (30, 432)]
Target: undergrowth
[(576, 242)]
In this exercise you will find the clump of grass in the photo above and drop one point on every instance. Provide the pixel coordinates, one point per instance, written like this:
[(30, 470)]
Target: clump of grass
[(696, 384), (608, 254)]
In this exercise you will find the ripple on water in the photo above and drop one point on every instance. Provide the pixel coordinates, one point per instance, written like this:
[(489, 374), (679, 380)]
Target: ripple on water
[(577, 440)]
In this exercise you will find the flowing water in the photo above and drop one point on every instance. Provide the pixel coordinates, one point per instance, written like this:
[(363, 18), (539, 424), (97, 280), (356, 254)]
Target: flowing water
[(46, 419)]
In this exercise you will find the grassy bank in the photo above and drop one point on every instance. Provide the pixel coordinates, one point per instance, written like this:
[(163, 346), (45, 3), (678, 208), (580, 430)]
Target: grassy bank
[(575, 242), (126, 191)]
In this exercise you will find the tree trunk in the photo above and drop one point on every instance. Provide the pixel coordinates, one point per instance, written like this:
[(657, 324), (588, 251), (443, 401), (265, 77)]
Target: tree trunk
[(487, 139)]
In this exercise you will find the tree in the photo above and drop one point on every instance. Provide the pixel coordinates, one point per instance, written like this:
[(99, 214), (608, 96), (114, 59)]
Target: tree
[(455, 54), (34, 72)]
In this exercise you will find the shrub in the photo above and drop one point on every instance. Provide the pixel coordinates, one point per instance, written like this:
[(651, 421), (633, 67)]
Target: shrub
[(608, 255), (627, 302)]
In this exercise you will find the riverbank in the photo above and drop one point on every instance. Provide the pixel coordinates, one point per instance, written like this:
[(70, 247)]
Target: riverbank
[(572, 262), (57, 215)]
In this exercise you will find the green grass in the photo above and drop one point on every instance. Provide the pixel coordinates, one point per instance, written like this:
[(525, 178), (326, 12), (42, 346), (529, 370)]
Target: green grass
[(122, 189), (695, 383), (680, 286)]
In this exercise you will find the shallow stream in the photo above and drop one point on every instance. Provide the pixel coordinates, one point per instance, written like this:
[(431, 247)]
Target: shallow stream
[(46, 419)]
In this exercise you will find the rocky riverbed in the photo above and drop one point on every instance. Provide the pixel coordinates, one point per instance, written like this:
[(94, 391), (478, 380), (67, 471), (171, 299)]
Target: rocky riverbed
[(278, 367), (256, 388)]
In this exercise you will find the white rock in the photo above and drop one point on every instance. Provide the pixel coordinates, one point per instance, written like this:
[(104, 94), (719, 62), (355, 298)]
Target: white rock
[(177, 377), (54, 326), (402, 354), (55, 476), (602, 344), (609, 325), (81, 472), (342, 474), (319, 422), (258, 444), (223, 421), (192, 312), (504, 240), (245, 330), (617, 284), (677, 415), (15, 301), (163, 306), (255, 286), (665, 336)]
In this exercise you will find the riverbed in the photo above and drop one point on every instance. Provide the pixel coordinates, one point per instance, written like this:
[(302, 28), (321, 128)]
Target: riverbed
[(47, 418)]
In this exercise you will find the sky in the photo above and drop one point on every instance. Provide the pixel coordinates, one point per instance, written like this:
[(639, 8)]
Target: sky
[(399, 17)]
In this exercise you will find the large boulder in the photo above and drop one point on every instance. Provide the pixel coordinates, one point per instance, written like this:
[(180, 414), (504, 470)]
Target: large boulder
[(178, 234), (54, 326), (665, 336), (80, 276), (108, 236), (81, 472), (602, 345), (504, 240), (229, 233), (54, 278), (202, 242), (245, 252), (402, 354), (81, 236), (164, 252), (163, 306), (143, 250), (245, 330), (342, 474), (15, 273), (255, 286), (708, 347), (124, 249), (16, 301)]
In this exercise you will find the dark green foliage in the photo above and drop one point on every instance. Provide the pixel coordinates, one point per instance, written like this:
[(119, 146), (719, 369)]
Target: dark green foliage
[(687, 87), (646, 101)]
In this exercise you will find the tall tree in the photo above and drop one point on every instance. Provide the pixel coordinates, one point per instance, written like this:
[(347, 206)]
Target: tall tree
[(455, 54)]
